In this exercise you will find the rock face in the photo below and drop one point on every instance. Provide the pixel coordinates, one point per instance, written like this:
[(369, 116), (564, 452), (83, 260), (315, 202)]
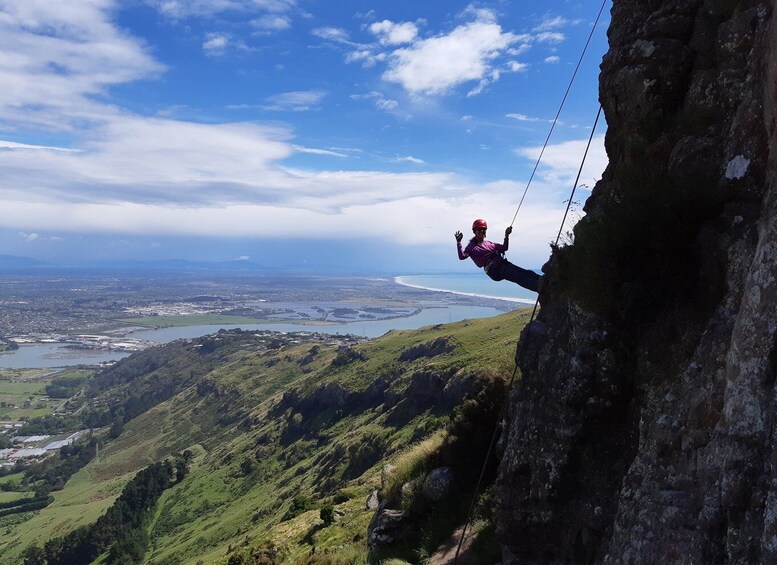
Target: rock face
[(644, 429)]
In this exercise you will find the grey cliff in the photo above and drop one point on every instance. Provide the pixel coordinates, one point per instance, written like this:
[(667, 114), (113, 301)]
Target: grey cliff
[(643, 429)]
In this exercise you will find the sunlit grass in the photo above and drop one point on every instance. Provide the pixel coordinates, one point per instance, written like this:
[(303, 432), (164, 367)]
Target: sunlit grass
[(411, 463), (218, 506)]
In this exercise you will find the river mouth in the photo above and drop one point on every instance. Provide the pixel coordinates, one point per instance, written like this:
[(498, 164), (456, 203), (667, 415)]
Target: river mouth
[(49, 355)]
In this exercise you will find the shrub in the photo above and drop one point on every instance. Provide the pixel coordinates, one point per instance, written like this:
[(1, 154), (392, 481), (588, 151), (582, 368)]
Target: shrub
[(347, 356), (472, 428), (299, 505), (327, 514)]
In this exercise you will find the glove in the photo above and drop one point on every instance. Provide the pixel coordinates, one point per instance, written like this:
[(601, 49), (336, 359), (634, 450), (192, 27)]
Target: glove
[(459, 236), (508, 231)]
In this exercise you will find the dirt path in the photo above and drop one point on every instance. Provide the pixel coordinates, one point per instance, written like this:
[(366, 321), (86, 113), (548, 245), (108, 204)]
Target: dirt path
[(446, 553)]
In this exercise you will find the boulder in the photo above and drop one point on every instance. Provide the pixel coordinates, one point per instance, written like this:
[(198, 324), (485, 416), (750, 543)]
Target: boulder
[(438, 483), (387, 527), (373, 501)]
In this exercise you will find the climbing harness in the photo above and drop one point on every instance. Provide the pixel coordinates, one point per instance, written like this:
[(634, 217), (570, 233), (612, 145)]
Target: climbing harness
[(519, 356), (522, 346)]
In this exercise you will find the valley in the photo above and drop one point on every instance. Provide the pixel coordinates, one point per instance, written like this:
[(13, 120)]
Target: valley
[(287, 436)]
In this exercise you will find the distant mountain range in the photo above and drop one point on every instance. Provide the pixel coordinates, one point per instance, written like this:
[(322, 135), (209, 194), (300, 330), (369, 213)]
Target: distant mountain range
[(12, 263)]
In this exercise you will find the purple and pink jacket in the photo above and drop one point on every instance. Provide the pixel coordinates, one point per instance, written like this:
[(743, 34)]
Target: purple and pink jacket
[(481, 253)]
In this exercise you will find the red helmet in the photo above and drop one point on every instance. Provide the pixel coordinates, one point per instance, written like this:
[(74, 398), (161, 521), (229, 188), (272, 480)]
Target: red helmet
[(479, 224)]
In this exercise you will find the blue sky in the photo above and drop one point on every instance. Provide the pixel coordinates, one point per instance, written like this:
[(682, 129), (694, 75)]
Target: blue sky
[(290, 131)]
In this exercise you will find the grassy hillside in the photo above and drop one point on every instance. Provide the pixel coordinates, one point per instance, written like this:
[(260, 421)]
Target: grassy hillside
[(279, 428)]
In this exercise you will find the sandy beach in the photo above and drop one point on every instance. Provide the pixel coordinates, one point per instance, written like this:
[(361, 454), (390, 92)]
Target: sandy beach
[(404, 282)]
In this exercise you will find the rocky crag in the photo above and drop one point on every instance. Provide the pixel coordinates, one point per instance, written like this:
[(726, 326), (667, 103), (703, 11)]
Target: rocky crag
[(644, 429)]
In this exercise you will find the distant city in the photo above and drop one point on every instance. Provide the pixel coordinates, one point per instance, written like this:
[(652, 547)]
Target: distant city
[(102, 310)]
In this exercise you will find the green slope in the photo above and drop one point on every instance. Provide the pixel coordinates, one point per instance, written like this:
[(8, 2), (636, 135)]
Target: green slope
[(268, 421)]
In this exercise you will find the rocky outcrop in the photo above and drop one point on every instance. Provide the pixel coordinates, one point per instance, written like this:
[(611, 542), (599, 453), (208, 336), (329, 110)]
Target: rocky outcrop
[(439, 346), (438, 483), (643, 429)]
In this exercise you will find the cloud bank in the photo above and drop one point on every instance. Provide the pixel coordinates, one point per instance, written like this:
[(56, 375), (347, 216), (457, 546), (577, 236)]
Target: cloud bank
[(117, 171)]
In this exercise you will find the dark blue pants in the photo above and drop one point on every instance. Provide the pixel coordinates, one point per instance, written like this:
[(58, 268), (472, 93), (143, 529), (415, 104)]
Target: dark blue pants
[(502, 269)]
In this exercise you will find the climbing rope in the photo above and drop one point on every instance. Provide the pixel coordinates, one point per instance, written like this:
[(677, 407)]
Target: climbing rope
[(519, 354), (522, 348), (558, 113)]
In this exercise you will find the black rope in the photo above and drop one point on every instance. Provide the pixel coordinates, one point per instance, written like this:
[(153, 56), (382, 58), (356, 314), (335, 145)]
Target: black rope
[(522, 347), (519, 353), (577, 179), (561, 106)]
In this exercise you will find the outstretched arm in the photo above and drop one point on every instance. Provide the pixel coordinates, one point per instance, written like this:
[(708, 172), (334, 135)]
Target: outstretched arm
[(459, 236), (506, 243)]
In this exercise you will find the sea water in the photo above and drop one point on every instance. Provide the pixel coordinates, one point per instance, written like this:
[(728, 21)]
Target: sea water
[(470, 284), (474, 284), (55, 355)]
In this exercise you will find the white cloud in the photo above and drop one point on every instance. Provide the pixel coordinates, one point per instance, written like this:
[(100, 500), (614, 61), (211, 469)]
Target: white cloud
[(56, 60), (381, 102), (550, 37), (179, 9), (410, 159), (474, 51), (271, 23), (551, 23), (215, 44), (13, 145), (313, 151), (437, 64), (485, 81), (367, 57), (130, 174), (192, 165), (391, 219), (525, 118), (561, 162), (520, 50), (296, 101), (481, 14), (522, 118), (335, 34), (517, 67), (390, 33), (31, 237), (229, 180), (552, 59)]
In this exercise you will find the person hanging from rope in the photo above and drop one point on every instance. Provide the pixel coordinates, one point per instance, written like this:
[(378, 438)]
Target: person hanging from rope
[(490, 257)]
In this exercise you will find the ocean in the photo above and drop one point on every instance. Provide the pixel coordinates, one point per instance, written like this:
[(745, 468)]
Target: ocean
[(471, 284), (47, 355)]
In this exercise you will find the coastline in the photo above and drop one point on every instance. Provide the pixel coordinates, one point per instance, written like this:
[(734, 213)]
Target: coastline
[(400, 280)]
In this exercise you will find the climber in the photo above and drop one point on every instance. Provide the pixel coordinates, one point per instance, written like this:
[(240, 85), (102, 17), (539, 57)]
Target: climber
[(489, 256)]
